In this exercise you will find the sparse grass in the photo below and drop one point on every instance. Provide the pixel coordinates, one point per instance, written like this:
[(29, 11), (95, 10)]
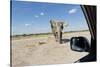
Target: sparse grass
[(29, 46), (41, 43), (35, 44), (44, 35), (30, 36), (41, 35)]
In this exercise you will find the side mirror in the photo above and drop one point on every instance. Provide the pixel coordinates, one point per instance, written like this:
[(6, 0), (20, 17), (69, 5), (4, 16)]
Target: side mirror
[(79, 44)]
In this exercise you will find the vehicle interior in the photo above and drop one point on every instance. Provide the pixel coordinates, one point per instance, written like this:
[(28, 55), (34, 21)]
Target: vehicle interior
[(90, 15)]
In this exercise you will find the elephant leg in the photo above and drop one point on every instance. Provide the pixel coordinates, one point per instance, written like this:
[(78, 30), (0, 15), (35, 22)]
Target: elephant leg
[(55, 35), (60, 37)]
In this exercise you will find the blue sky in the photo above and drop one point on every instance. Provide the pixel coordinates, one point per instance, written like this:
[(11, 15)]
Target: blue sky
[(34, 17)]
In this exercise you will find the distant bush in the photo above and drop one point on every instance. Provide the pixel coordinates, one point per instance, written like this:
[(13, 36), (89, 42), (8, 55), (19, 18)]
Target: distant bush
[(24, 34)]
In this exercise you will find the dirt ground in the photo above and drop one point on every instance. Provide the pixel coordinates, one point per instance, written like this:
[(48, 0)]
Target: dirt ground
[(44, 50)]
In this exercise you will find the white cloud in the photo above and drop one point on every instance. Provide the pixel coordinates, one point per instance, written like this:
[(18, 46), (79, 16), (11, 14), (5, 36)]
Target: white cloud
[(36, 16), (41, 13), (72, 11), (27, 24)]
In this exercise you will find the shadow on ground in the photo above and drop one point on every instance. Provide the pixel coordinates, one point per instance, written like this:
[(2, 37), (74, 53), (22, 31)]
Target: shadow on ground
[(65, 41)]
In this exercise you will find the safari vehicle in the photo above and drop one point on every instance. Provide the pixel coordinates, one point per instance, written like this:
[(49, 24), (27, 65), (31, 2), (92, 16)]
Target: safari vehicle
[(90, 15)]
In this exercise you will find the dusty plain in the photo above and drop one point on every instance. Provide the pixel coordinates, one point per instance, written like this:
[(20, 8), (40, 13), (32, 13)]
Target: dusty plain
[(27, 51)]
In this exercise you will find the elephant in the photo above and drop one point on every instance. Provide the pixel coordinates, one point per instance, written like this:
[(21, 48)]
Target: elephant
[(57, 28)]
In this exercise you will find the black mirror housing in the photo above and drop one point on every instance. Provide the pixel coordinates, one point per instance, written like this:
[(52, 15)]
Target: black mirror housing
[(79, 44)]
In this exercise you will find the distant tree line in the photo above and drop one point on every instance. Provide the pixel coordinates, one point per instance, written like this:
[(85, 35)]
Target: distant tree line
[(23, 35)]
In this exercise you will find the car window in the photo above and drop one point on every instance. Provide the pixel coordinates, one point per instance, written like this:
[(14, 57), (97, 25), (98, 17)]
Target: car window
[(41, 32)]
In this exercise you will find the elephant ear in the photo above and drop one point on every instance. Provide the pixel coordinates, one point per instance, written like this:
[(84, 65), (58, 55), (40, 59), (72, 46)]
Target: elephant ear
[(65, 25), (51, 21)]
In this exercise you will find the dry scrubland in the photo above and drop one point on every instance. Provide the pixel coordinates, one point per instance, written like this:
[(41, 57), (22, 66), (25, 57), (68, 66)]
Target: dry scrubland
[(40, 50)]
